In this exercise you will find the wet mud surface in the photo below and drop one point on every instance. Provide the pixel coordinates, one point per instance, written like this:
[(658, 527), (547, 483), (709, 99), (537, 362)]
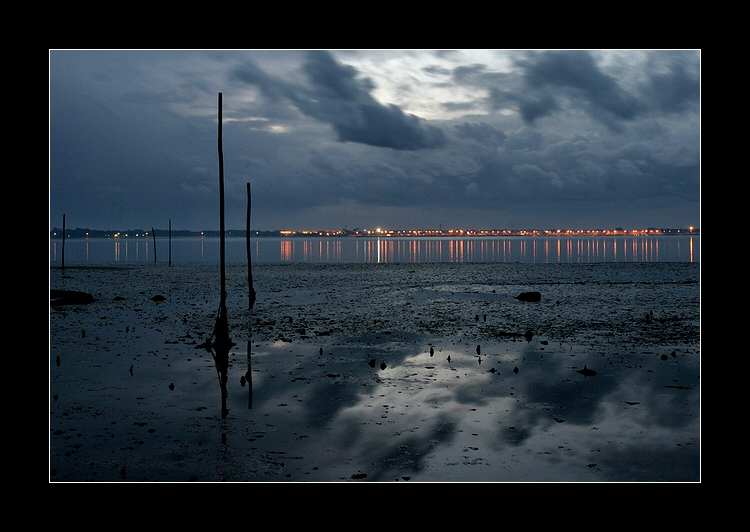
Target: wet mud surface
[(379, 372)]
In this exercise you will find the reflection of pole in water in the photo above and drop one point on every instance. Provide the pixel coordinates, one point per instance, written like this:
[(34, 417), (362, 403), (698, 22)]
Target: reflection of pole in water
[(222, 345), (249, 378)]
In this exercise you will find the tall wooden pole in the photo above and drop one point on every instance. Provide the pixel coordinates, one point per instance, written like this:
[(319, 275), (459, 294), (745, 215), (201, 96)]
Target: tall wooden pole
[(221, 208), (222, 344), (251, 298), (170, 241), (251, 290)]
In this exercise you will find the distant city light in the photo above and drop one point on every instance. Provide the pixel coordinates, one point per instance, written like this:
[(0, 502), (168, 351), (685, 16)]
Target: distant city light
[(381, 232)]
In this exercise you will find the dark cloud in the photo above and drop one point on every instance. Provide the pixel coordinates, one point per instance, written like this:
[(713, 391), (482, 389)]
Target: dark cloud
[(582, 81), (334, 81), (270, 88), (578, 71), (540, 139), (555, 80), (483, 133), (673, 82), (537, 105), (338, 97)]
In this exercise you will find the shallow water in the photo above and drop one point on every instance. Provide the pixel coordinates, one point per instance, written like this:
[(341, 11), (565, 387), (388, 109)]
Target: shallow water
[(331, 416), (348, 250)]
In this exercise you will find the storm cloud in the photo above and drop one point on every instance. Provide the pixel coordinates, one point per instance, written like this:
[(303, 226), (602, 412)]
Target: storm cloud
[(399, 138)]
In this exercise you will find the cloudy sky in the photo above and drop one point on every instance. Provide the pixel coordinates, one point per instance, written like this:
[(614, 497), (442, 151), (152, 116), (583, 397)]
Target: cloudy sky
[(399, 139)]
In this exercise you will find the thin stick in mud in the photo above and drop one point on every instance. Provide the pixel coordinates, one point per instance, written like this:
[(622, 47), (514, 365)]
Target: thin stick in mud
[(63, 245), (153, 235)]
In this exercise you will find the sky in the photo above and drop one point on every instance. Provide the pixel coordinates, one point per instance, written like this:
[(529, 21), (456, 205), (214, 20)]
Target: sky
[(397, 139)]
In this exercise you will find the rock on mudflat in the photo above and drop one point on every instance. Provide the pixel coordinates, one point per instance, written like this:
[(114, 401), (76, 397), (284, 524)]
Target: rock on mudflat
[(68, 297), (529, 296)]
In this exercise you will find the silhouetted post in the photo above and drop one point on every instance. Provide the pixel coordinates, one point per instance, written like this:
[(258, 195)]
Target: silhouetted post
[(221, 330), (63, 245), (249, 378), (251, 290), (170, 241), (221, 211), (153, 235), (251, 301)]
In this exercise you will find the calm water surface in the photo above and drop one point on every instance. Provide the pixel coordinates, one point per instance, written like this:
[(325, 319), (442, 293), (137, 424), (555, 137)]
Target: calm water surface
[(670, 248)]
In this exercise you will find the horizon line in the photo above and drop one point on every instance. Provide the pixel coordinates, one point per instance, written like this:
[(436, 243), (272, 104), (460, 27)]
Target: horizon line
[(379, 231)]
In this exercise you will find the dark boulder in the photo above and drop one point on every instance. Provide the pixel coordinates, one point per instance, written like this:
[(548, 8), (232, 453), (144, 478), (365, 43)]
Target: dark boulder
[(68, 297), (529, 296)]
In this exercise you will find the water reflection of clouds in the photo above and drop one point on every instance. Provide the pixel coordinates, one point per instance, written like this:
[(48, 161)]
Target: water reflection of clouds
[(422, 417), (546, 423)]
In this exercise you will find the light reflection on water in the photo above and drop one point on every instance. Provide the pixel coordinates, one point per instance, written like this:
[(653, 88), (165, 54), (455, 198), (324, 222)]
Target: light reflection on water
[(671, 248)]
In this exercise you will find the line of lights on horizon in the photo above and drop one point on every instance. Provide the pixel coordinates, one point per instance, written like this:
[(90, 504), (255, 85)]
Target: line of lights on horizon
[(440, 232), (483, 232)]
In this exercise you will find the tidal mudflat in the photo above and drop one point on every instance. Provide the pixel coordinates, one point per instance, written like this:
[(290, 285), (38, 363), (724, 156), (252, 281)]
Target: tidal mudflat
[(418, 372)]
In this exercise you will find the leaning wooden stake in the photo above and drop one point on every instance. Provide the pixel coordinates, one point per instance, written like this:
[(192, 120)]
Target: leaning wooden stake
[(251, 290)]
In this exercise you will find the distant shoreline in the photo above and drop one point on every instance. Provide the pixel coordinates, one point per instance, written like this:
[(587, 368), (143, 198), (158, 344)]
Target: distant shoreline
[(56, 233)]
